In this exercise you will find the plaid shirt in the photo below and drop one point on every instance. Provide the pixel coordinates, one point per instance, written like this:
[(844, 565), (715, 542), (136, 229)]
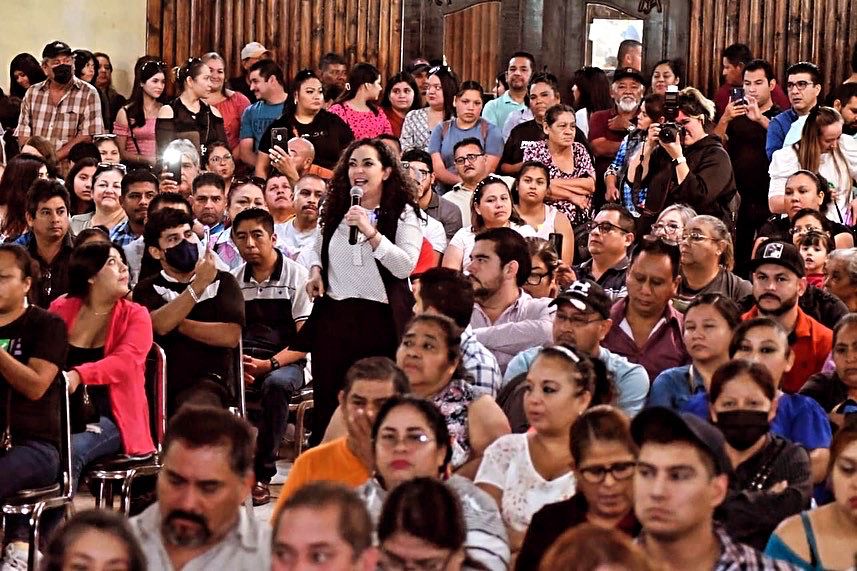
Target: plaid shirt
[(737, 556), (122, 235), (480, 364), (78, 113)]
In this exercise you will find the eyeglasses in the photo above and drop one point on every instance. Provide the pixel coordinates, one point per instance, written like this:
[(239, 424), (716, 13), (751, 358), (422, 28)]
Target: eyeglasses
[(241, 180), (596, 474), (667, 228), (801, 230), (389, 561), (102, 167), (537, 278), (220, 160), (411, 440), (418, 175), (800, 85), (696, 236), (467, 158), (603, 227)]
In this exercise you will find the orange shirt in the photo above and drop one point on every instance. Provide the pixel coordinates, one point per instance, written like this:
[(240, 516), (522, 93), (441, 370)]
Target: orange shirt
[(332, 461), (811, 342)]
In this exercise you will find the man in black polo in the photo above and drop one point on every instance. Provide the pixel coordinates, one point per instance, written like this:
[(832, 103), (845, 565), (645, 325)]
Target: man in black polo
[(611, 234), (50, 241), (276, 305)]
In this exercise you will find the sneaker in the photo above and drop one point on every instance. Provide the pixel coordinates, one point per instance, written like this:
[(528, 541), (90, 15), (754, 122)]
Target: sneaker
[(261, 494), (15, 557)]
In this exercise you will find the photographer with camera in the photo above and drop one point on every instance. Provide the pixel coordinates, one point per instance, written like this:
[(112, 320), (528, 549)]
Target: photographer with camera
[(689, 166)]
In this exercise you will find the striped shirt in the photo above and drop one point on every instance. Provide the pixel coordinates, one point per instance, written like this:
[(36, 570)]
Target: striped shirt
[(77, 113)]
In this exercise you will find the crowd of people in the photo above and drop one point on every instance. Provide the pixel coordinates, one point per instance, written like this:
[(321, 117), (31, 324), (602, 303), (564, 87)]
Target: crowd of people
[(608, 326)]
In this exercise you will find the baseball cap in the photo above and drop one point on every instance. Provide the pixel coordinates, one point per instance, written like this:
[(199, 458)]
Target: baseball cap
[(586, 295), (253, 49), (626, 72), (779, 252), (418, 65), (55, 49), (664, 425)]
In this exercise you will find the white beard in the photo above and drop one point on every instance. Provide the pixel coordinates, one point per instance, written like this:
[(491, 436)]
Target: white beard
[(627, 105)]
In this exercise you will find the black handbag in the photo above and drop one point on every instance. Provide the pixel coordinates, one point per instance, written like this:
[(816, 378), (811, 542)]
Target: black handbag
[(83, 410)]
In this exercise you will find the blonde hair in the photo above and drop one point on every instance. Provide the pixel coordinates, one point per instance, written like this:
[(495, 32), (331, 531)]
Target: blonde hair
[(694, 103), (807, 150)]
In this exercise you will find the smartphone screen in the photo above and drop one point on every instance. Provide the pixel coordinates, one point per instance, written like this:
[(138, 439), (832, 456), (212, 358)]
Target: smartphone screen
[(737, 95)]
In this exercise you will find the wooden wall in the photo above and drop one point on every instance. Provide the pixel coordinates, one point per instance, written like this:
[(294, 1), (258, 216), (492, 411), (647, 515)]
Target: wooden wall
[(471, 42), (780, 31), (298, 32)]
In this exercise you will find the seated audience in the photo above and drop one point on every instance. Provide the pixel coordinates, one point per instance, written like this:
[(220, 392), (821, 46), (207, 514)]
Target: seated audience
[(708, 324), (836, 391), (401, 96), (707, 259), (823, 538), (94, 539), (296, 159), (19, 175), (608, 264), (778, 282), (601, 446), (588, 547), (106, 194), (207, 452), (323, 525), (219, 160), (429, 355), (441, 87), (358, 106), (672, 221), (771, 479), (276, 306), (518, 74), (544, 269), (197, 312), (186, 154), (679, 529), (840, 276), (472, 165), (109, 338), (241, 196), (582, 320), (418, 165), (524, 472), (646, 329), (208, 199), (299, 233), (279, 198), (803, 87), (108, 148), (139, 188), (410, 440), (528, 194), (50, 240)]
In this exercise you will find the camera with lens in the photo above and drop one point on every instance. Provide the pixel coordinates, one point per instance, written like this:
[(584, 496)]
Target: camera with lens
[(670, 130)]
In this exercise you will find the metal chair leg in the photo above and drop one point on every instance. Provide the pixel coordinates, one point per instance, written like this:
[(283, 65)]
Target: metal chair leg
[(35, 520), (125, 493)]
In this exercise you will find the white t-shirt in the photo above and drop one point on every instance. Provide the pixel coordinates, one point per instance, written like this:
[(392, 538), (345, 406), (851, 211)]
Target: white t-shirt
[(292, 241), (507, 465)]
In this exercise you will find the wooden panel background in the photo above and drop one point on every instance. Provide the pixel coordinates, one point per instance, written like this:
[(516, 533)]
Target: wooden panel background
[(298, 32), (471, 42), (780, 31)]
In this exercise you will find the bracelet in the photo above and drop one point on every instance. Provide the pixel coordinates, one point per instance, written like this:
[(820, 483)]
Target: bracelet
[(193, 295)]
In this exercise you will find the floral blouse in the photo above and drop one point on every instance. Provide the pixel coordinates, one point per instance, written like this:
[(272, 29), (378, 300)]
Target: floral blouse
[(453, 401), (415, 130), (538, 151)]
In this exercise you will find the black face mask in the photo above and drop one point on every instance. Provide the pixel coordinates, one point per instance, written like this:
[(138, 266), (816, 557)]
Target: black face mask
[(743, 428), (62, 73), (183, 256)]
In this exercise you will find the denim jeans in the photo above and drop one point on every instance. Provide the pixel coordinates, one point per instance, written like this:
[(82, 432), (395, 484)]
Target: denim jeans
[(276, 390), (28, 464), (87, 447)]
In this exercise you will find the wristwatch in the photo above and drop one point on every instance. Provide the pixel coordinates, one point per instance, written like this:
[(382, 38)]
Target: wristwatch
[(679, 161), (274, 363)]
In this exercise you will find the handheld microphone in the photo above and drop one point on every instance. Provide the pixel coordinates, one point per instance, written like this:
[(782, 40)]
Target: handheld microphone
[(356, 195)]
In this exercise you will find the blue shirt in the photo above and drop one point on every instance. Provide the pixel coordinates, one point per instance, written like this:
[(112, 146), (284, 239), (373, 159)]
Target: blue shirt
[(444, 143), (674, 387), (799, 419), (256, 120), (632, 381), (498, 110), (778, 128)]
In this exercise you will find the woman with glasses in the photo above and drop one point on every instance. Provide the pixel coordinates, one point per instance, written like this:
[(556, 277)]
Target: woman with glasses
[(707, 259), (304, 116), (689, 166), (491, 208), (410, 442), (135, 123), (604, 456), (188, 116), (708, 325), (572, 176), (804, 190), (671, 222), (401, 96), (106, 194), (219, 160), (525, 472), (822, 149), (545, 265), (442, 85), (528, 194), (358, 104), (231, 104)]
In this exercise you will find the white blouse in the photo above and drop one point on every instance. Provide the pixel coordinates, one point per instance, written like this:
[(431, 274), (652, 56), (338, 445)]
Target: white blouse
[(507, 465)]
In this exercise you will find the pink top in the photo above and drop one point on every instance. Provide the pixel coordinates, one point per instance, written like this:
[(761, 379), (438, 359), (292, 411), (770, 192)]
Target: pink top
[(129, 338), (144, 135), (232, 108), (364, 124)]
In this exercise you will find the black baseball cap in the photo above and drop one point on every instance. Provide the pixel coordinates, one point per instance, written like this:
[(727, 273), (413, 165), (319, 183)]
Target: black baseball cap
[(781, 253), (626, 72), (586, 295), (417, 66), (664, 425), (56, 49)]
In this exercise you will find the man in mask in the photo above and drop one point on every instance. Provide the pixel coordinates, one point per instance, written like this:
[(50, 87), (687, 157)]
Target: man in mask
[(778, 282), (198, 520), (63, 109), (197, 311)]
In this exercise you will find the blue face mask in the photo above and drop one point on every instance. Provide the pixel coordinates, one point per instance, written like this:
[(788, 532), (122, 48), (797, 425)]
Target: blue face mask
[(183, 256)]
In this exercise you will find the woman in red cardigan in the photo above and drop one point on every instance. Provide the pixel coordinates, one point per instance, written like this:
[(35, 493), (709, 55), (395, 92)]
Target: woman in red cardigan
[(109, 338)]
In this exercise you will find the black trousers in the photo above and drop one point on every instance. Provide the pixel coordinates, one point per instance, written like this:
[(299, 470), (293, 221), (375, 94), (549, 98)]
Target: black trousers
[(342, 332)]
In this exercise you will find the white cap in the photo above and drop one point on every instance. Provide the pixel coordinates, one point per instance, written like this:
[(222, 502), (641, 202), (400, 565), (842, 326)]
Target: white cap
[(253, 49)]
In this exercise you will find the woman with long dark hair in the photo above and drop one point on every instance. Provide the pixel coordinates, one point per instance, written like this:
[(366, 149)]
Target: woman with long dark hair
[(442, 85), (78, 183), (401, 96), (304, 116), (135, 123), (231, 104), (359, 269), (590, 92), (358, 104), (24, 72), (19, 174), (85, 66)]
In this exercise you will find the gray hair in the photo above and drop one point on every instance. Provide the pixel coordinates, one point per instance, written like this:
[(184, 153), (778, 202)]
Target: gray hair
[(847, 256), (186, 148), (721, 232), (685, 212)]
